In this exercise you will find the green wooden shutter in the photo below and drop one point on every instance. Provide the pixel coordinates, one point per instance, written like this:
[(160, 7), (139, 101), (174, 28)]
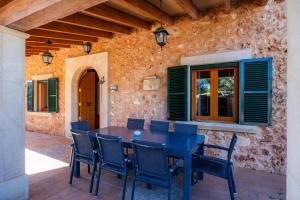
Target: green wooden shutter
[(177, 93), (256, 91), (30, 95), (52, 95)]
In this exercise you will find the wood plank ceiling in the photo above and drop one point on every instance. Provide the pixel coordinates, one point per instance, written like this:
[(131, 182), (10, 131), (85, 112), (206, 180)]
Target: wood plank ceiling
[(73, 22)]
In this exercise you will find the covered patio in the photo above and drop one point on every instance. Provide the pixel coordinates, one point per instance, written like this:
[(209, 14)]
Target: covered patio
[(251, 184)]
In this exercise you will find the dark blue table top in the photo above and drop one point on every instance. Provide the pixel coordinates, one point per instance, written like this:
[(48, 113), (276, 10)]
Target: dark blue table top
[(174, 141)]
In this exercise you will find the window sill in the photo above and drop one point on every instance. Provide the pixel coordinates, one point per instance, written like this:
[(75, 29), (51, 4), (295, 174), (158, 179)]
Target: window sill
[(219, 126), (45, 114)]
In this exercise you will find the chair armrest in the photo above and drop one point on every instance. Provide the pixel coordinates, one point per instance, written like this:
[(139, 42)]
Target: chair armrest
[(216, 147)]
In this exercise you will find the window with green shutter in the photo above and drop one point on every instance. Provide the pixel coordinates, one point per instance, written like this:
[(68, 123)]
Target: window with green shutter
[(52, 95), (177, 93), (30, 95), (256, 91)]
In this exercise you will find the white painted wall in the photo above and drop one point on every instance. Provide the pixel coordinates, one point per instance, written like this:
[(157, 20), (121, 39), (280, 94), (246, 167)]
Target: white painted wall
[(13, 180), (73, 70), (293, 101)]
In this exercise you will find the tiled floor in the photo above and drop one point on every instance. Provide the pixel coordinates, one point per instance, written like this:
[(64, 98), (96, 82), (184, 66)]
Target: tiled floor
[(52, 183)]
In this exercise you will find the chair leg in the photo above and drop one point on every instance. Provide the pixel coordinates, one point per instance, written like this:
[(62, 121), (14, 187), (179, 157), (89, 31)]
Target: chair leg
[(89, 169), (169, 191), (233, 182), (72, 170), (98, 180), (132, 191), (230, 188), (93, 176), (124, 186)]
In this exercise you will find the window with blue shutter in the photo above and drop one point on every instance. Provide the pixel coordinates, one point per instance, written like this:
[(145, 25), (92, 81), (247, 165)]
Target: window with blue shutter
[(256, 91), (177, 93), (52, 95), (30, 96)]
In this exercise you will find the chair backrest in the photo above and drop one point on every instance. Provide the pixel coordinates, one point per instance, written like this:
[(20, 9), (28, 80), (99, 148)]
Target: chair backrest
[(111, 150), (231, 147), (150, 159), (186, 128), (137, 124), (82, 143), (159, 126), (80, 125)]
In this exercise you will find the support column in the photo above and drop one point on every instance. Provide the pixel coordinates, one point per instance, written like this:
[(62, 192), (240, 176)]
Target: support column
[(293, 103), (13, 180)]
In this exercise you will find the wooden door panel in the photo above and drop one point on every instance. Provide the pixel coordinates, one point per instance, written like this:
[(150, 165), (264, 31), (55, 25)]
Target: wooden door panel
[(87, 98)]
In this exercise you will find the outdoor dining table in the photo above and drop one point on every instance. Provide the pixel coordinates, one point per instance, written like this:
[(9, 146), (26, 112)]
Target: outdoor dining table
[(177, 144)]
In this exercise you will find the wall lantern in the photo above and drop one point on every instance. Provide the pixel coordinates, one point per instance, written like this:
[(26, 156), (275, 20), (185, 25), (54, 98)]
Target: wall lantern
[(87, 47), (161, 35), (47, 56)]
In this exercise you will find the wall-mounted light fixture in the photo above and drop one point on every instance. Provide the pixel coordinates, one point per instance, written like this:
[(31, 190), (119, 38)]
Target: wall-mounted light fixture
[(114, 88), (87, 47)]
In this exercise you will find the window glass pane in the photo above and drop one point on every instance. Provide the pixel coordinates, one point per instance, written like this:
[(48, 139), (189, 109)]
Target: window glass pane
[(225, 92), (203, 93)]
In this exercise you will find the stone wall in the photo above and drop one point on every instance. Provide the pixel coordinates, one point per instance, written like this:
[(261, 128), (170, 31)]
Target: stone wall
[(136, 56)]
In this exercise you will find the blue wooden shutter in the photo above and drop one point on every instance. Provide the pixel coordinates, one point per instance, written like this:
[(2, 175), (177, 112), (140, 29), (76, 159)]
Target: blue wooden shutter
[(52, 95), (30, 96), (177, 93), (256, 91)]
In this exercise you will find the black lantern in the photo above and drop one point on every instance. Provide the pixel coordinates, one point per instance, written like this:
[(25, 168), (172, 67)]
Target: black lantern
[(47, 56), (87, 47), (161, 35)]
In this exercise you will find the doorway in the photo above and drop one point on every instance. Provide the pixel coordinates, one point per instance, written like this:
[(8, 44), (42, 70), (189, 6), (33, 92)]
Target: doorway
[(88, 98)]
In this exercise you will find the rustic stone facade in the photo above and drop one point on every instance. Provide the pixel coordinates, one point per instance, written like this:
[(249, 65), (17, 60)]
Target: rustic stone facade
[(136, 56)]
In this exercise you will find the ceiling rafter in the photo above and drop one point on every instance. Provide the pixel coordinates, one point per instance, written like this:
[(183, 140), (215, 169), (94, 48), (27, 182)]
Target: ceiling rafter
[(189, 7), (108, 13), (95, 23), (54, 41)]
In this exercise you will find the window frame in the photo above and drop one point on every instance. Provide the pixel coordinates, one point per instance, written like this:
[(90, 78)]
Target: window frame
[(214, 92), (38, 96)]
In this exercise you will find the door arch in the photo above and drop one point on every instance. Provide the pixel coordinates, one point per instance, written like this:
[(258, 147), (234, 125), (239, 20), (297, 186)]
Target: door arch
[(88, 98)]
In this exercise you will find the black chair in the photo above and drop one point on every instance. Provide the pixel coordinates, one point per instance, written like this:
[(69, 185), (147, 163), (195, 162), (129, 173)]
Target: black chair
[(216, 166), (186, 128), (136, 124), (159, 126), (112, 158), (151, 165), (84, 152), (79, 126)]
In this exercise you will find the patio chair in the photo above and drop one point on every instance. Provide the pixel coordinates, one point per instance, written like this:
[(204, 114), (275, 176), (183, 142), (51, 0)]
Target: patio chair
[(186, 128), (216, 166), (112, 158), (79, 126), (84, 152), (136, 124), (151, 166), (159, 126)]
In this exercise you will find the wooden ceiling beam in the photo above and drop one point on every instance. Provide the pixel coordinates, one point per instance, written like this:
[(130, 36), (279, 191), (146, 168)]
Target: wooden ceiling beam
[(41, 48), (37, 44), (51, 13), (18, 9), (57, 35), (189, 7), (108, 13), (54, 41), (147, 9), (68, 28), (95, 23)]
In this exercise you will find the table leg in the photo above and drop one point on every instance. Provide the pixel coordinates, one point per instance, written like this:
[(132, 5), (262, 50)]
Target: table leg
[(77, 169), (187, 177)]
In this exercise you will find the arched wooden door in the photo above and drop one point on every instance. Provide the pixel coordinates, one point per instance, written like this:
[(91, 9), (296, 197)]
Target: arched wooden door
[(88, 98)]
